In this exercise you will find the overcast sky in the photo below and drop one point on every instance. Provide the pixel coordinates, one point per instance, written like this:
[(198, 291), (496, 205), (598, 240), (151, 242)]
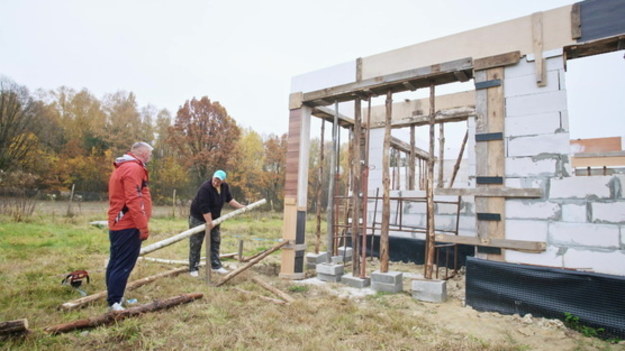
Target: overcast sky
[(240, 53)]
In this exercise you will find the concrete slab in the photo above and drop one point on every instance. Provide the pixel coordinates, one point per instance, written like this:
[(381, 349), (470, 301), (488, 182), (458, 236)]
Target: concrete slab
[(429, 290)]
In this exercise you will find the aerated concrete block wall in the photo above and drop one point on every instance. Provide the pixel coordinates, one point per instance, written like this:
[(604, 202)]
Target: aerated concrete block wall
[(580, 218)]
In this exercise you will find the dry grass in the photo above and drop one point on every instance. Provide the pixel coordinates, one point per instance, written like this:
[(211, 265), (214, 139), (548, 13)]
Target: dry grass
[(35, 255)]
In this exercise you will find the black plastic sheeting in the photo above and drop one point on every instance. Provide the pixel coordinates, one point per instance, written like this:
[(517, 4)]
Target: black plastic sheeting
[(598, 300), (413, 250), (602, 18)]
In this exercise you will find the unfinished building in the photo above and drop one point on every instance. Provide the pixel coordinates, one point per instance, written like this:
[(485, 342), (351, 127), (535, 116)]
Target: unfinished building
[(544, 237)]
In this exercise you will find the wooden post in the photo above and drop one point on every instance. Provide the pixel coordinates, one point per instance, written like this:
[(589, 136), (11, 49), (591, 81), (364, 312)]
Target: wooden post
[(69, 204), (187, 233), (356, 186), (457, 165), (411, 160), (319, 179), (173, 204), (111, 317), (429, 189), (130, 286), (251, 263), (209, 263), (18, 326), (240, 255), (332, 174), (386, 182), (441, 155)]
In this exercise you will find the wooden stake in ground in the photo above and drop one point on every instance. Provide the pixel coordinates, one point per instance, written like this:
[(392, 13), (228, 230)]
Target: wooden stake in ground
[(187, 233), (284, 296), (251, 263), (386, 182), (429, 191), (18, 326), (132, 285), (116, 316)]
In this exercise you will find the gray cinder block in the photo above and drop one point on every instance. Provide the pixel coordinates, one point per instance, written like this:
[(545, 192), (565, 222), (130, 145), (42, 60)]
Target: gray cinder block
[(429, 290), (387, 282), (355, 282)]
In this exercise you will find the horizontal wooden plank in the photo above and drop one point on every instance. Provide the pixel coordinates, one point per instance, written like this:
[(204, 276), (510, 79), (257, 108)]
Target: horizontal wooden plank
[(506, 59), (491, 192), (328, 114), (405, 147), (416, 78), (533, 246), (442, 116), (595, 47)]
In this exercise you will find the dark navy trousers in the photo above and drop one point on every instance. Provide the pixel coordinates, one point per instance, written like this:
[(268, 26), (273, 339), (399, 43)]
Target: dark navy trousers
[(125, 247)]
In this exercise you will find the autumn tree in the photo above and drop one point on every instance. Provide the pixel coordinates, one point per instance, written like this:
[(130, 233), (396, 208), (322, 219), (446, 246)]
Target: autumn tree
[(274, 170), (205, 137), (18, 124), (246, 179), (124, 125)]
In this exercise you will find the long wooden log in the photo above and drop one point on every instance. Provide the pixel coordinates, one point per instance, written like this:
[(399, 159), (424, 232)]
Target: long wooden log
[(187, 233), (266, 298), (281, 294), (18, 326), (116, 316), (168, 261), (237, 271), (130, 286)]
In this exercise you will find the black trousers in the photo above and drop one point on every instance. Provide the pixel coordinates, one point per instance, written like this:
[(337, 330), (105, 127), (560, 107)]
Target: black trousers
[(125, 247), (195, 246)]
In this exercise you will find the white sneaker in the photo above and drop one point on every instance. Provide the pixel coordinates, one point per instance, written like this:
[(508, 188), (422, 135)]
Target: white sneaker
[(221, 270), (194, 274), (116, 307)]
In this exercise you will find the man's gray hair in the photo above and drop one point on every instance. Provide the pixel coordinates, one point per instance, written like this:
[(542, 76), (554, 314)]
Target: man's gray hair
[(141, 145)]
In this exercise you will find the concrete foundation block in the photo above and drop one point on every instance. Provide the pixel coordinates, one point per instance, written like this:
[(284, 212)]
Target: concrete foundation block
[(313, 259), (387, 282), (529, 230), (551, 257), (355, 282), (534, 104), (611, 262), (589, 235), (347, 252), (429, 290), (574, 213), (330, 269), (337, 259)]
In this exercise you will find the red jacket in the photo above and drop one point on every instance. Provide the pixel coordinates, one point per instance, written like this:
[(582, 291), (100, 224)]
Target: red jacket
[(130, 203)]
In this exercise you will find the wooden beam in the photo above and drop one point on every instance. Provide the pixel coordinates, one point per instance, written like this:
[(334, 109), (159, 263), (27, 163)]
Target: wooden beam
[(281, 294), (18, 326), (538, 43), (111, 317), (386, 184), (420, 77), (531, 246), (405, 147), (328, 115), (429, 191), (595, 47), (506, 59), (576, 21), (492, 192), (251, 263), (442, 116)]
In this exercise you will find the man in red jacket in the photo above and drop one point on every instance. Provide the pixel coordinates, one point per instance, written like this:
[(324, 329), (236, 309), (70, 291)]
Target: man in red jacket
[(130, 208)]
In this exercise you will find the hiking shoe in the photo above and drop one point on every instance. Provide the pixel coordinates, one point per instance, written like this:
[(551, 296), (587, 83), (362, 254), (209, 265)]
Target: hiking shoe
[(116, 307), (194, 274), (220, 270)]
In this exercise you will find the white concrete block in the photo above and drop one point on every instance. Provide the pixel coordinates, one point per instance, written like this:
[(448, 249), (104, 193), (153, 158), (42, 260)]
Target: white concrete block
[(524, 67), (536, 145), (529, 230), (550, 257), (536, 103), (468, 225), (599, 261), (610, 212), (527, 167), (525, 182), (574, 213), (525, 85), (580, 187), (532, 209), (584, 234), (444, 222), (545, 123), (447, 209)]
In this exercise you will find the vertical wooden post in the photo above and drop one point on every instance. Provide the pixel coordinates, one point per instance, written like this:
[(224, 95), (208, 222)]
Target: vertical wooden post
[(173, 205), (332, 178), (71, 198), (429, 189), (320, 182), (386, 182), (411, 160), (207, 246), (457, 165), (356, 186), (441, 155)]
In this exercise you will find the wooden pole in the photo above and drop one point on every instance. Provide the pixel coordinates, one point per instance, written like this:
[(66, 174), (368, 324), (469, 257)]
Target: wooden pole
[(429, 189), (281, 294), (411, 159), (457, 165), (251, 263), (111, 317), (356, 187), (187, 233), (332, 173), (207, 238), (185, 262), (365, 192), (240, 254), (18, 326), (69, 204), (386, 182), (319, 177), (173, 204), (441, 155), (130, 286)]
